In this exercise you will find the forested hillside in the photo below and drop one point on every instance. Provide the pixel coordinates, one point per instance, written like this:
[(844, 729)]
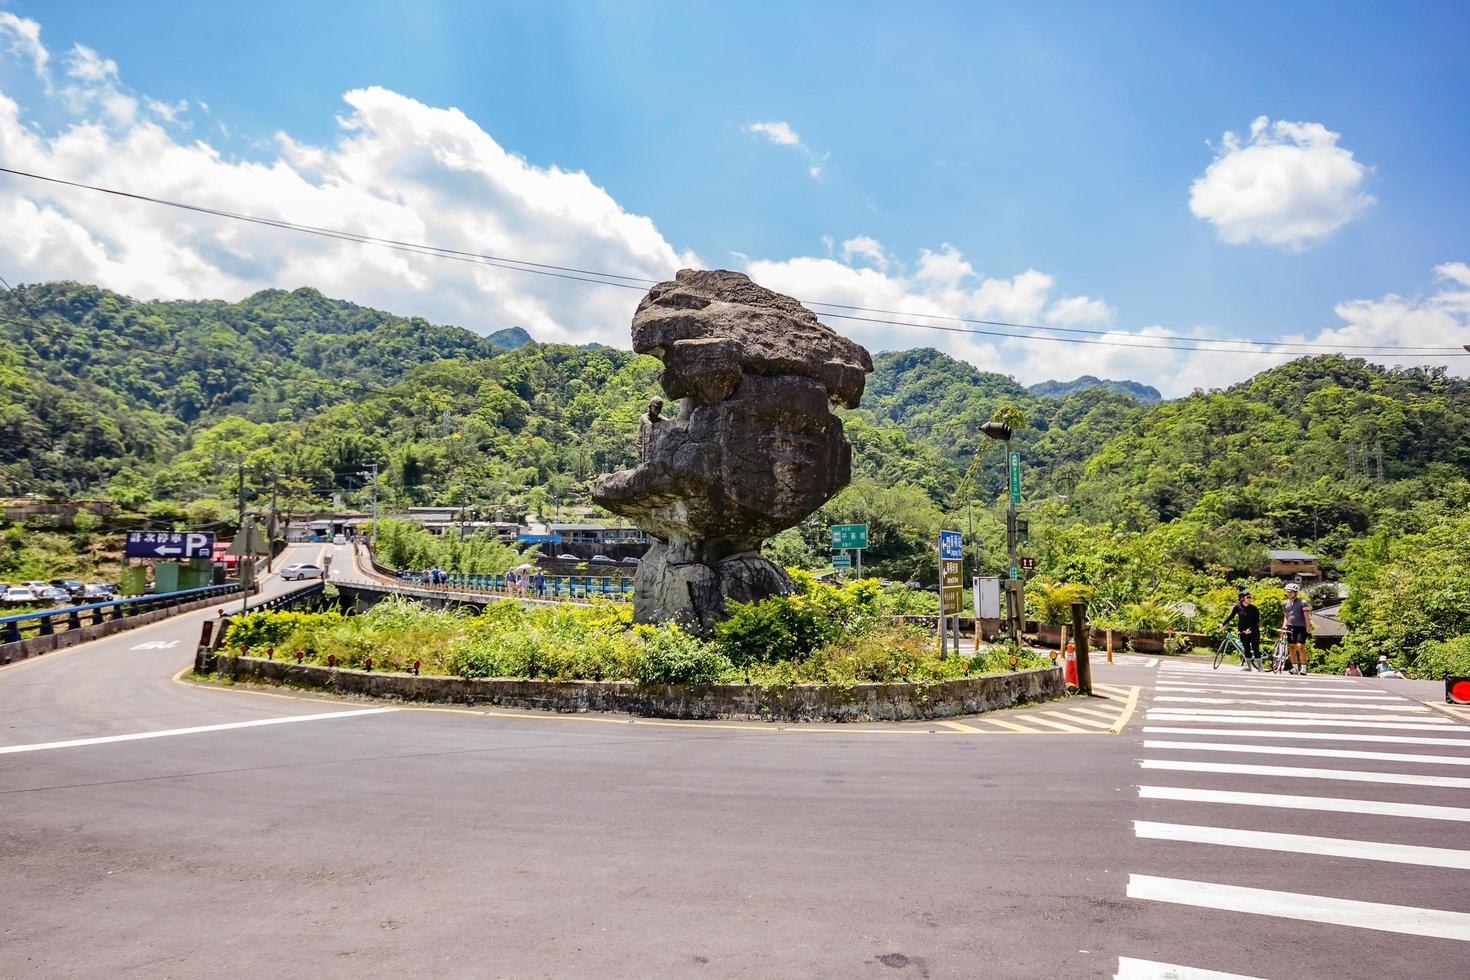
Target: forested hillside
[(1146, 504)]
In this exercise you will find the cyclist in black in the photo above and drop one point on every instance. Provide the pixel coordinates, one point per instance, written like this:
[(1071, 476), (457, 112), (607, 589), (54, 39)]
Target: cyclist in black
[(1249, 617)]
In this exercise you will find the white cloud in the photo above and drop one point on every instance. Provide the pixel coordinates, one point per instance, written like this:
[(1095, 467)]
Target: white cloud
[(863, 247), (22, 37), (1287, 183), (403, 170), (782, 134), (172, 113), (777, 132), (398, 169)]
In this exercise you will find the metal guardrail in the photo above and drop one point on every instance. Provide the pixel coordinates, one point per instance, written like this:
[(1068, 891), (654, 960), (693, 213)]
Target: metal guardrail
[(46, 622), (288, 600)]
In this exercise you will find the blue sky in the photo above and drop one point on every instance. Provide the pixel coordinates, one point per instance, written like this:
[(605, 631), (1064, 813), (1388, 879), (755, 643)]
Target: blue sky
[(1058, 138)]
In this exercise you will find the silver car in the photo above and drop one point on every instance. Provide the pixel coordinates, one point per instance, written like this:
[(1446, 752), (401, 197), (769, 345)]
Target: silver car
[(295, 573)]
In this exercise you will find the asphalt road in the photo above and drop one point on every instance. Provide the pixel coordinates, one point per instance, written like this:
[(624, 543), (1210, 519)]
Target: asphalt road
[(469, 844)]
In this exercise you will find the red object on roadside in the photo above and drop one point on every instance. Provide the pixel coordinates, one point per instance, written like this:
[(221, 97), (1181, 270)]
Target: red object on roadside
[(1069, 667), (1457, 690)]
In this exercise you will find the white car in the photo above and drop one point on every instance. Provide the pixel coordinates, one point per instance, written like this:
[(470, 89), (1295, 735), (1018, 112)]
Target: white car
[(295, 573), (339, 539), (18, 595)]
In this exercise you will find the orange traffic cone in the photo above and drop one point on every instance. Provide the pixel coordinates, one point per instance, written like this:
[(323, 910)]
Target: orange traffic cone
[(1069, 667)]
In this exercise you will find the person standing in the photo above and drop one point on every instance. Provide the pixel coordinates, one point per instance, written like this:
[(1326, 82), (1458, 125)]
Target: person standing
[(1248, 615), (1296, 623)]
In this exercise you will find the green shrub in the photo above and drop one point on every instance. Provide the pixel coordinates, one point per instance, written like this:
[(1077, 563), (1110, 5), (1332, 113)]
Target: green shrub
[(791, 627), (1442, 657), (1053, 601), (671, 656)]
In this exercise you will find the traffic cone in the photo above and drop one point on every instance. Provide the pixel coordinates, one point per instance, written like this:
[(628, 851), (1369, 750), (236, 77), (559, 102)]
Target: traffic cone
[(1069, 667)]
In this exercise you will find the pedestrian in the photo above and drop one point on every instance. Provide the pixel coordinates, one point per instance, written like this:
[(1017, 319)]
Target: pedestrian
[(1296, 623), (538, 583), (1352, 669), (1249, 617), (1386, 669), (510, 581)]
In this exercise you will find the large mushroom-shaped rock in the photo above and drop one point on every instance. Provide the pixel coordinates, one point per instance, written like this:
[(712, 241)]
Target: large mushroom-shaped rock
[(754, 447)]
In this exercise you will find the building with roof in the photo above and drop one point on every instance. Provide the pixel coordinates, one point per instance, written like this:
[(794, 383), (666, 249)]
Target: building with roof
[(1297, 566)]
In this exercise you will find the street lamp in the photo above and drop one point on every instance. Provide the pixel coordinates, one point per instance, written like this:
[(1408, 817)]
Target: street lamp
[(1000, 432)]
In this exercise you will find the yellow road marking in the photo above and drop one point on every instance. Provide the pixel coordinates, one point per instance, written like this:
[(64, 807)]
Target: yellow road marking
[(1054, 724), (1073, 717), (1107, 716), (1127, 711), (1010, 726)]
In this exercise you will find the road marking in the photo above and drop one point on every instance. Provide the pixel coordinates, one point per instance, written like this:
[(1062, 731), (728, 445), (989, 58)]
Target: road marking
[(1011, 726), (1402, 919), (1094, 713), (1190, 794), (960, 726), (156, 645), (1296, 692), (1075, 716), (1431, 760), (1340, 716), (1128, 710), (1180, 699), (1059, 726), (1260, 840), (1296, 772), (1265, 718), (198, 729), (1320, 736), (1131, 969)]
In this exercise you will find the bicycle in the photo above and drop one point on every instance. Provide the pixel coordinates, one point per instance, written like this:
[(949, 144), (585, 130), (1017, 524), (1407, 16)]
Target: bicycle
[(1279, 661), (1229, 643)]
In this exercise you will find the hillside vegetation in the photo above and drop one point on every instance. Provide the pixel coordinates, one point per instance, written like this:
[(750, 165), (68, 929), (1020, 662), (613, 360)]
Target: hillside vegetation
[(1146, 504)]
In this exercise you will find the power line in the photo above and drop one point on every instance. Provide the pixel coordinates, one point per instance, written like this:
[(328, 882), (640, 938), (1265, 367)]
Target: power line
[(638, 282)]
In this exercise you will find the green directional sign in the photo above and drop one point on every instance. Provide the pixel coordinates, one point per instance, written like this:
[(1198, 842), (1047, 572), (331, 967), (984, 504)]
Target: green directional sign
[(846, 536), (841, 561), (1016, 477)]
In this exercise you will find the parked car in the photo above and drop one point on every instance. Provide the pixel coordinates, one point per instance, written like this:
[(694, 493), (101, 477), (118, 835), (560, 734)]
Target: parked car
[(53, 594), (603, 558), (339, 539), (72, 586), (567, 558), (630, 560), (36, 587), (97, 592), (295, 573), (18, 595)]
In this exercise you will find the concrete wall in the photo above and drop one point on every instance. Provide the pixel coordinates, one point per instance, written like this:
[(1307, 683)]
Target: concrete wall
[(862, 702), (37, 645)]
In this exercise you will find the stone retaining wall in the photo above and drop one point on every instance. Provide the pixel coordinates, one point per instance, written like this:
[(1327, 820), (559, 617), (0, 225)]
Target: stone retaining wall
[(805, 702)]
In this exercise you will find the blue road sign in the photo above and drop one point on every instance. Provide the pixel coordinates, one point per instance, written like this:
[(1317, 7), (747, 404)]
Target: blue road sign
[(170, 544), (951, 544)]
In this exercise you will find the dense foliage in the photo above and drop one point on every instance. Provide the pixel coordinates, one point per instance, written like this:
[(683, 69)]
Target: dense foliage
[(1158, 510), (822, 634)]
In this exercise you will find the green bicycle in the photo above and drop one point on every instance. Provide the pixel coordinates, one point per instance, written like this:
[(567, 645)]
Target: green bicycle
[(1229, 643)]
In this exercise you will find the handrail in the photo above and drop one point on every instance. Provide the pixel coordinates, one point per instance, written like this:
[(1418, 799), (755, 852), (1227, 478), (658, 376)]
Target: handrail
[(568, 588), (98, 612)]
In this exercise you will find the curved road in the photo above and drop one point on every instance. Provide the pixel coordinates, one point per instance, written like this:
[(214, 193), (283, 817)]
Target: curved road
[(305, 837)]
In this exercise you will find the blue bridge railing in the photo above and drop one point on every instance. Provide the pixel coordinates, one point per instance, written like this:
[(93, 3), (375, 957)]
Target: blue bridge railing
[(564, 587), (45, 622)]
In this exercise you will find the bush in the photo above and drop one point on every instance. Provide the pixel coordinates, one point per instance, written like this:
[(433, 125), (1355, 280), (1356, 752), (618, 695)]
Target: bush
[(1442, 657), (1053, 601), (791, 627), (671, 656)]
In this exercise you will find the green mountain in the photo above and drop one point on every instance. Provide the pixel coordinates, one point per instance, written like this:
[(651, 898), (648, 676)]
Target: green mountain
[(1061, 389), (1147, 503)]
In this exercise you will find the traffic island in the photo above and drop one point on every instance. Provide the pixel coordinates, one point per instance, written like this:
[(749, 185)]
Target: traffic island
[(793, 703)]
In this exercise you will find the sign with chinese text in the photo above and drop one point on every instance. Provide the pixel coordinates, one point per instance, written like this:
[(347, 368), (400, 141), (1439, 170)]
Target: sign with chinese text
[(169, 544), (846, 536)]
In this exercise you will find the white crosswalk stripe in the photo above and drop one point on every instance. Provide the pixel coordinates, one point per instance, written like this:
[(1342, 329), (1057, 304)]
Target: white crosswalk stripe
[(1372, 784)]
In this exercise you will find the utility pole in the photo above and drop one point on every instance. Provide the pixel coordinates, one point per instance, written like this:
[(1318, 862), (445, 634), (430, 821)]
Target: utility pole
[(240, 524), (270, 528), (1378, 453), (372, 473)]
